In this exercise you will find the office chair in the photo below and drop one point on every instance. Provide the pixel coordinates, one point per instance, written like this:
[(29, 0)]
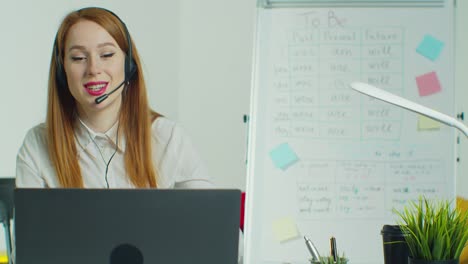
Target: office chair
[(242, 212)]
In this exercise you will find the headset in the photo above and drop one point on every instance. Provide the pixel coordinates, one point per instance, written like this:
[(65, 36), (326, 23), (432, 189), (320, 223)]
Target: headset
[(130, 65)]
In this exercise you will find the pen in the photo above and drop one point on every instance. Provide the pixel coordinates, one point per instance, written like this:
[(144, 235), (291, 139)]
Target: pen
[(313, 251), (333, 249)]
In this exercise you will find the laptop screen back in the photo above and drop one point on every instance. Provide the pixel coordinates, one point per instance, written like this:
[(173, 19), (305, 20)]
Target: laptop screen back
[(57, 226)]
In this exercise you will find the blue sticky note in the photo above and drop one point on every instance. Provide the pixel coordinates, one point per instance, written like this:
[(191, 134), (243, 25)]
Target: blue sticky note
[(430, 47), (283, 156)]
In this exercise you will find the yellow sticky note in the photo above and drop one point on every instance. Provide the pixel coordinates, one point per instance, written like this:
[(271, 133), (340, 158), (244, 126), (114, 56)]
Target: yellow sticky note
[(285, 229), (426, 123), (3, 257)]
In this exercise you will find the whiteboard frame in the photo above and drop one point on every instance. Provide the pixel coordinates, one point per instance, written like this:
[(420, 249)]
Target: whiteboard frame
[(254, 113)]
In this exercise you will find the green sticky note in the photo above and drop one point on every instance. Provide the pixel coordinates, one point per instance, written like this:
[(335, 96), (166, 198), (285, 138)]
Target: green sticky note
[(430, 47), (283, 156)]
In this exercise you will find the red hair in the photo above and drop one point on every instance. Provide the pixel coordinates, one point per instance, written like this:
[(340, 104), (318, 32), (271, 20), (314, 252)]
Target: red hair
[(135, 118)]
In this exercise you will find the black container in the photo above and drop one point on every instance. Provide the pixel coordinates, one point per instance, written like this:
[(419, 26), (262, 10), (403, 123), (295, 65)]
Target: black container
[(394, 245)]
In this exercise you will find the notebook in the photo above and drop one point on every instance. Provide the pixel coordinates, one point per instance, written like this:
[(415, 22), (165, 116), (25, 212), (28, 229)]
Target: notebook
[(120, 226)]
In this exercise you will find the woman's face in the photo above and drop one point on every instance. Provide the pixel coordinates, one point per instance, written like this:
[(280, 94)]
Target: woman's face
[(94, 65)]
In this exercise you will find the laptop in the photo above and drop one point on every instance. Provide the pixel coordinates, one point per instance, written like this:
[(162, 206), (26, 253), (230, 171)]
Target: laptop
[(123, 226)]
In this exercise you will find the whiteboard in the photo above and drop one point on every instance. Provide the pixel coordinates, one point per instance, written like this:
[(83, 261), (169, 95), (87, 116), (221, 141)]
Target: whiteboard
[(327, 161)]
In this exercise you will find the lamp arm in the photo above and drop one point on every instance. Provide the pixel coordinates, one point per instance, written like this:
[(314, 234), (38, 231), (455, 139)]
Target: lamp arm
[(385, 96)]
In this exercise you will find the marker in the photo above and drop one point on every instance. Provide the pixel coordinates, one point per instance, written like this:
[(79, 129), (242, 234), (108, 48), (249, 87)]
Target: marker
[(333, 249), (313, 251)]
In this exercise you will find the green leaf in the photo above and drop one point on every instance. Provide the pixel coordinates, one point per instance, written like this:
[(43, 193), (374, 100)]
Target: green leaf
[(434, 230)]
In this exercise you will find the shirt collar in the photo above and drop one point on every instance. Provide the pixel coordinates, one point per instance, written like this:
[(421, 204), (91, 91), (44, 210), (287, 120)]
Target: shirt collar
[(85, 136)]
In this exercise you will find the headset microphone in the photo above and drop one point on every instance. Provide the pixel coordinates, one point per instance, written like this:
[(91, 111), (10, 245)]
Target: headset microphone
[(104, 96)]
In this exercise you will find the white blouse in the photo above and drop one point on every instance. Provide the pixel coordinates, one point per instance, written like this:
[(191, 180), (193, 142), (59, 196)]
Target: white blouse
[(177, 163)]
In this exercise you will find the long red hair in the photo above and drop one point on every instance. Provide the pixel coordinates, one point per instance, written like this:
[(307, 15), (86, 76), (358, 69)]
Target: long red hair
[(135, 118)]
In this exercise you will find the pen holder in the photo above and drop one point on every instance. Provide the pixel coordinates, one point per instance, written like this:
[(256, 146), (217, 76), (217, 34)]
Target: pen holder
[(329, 260)]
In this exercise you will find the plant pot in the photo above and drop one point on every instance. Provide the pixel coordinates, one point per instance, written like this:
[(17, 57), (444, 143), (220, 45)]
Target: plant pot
[(394, 245), (423, 261)]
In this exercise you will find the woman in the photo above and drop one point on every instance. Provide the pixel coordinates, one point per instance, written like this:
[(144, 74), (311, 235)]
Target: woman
[(100, 131)]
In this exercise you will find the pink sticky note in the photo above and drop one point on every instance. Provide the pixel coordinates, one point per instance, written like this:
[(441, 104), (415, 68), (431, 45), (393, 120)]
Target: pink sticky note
[(428, 84)]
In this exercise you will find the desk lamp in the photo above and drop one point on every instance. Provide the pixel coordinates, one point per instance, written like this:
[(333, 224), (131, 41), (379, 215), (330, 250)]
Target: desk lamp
[(385, 96), (7, 186)]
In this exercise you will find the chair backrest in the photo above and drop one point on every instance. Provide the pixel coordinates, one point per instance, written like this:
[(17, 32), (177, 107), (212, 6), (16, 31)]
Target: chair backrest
[(7, 186), (242, 211)]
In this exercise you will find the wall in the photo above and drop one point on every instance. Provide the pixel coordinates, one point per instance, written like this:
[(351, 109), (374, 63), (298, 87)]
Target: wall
[(216, 39)]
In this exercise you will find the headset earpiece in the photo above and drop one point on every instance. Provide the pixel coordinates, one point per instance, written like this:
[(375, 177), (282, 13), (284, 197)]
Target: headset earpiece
[(60, 76), (130, 65), (130, 68)]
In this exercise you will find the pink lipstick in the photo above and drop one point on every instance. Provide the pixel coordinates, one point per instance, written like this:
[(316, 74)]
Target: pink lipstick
[(96, 88)]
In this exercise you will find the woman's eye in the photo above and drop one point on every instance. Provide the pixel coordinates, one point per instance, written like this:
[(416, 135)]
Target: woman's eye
[(108, 55), (78, 58)]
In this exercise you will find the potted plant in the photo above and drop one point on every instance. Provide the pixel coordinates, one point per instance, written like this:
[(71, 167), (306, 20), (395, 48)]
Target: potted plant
[(434, 231)]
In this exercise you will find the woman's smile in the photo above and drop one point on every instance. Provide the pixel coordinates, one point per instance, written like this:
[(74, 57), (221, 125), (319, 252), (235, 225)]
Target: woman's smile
[(96, 88)]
